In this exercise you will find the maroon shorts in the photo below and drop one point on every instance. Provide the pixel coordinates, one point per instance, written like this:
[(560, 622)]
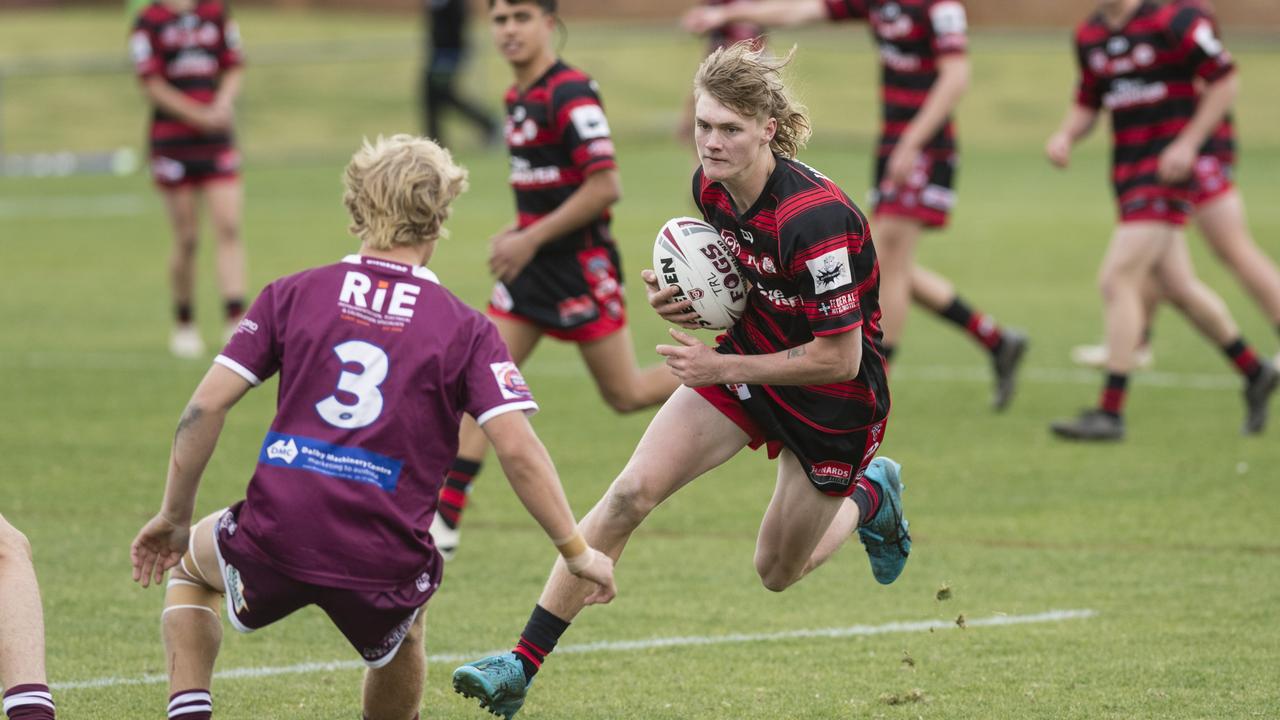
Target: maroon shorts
[(1211, 179), (928, 195), (179, 167), (833, 462), (574, 295), (374, 622)]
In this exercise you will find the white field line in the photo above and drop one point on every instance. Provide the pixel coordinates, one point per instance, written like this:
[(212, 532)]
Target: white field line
[(88, 206), (1050, 616), (128, 361)]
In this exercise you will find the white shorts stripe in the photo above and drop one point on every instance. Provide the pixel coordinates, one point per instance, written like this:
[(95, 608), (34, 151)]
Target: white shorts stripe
[(188, 607)]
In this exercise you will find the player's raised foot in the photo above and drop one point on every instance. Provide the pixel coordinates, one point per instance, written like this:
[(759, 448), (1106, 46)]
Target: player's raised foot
[(1092, 424), (497, 681), (185, 342), (886, 538), (1006, 361), (1257, 397), (446, 538), (1095, 356)]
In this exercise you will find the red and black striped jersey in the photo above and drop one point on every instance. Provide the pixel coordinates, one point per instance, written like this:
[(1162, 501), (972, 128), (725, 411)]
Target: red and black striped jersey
[(190, 50), (557, 135), (912, 35), (807, 250), (1145, 73), (733, 32), (1222, 143)]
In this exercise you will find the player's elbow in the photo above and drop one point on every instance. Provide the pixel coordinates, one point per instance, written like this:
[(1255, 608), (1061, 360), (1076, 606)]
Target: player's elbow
[(14, 546), (609, 187)]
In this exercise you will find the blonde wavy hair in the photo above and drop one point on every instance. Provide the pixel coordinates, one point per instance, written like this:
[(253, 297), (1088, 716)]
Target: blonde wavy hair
[(398, 191), (748, 81)]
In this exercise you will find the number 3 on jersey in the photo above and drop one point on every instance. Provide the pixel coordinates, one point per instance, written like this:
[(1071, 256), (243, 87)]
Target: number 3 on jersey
[(363, 385)]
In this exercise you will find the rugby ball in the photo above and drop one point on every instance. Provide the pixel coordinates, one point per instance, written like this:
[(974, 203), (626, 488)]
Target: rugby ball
[(690, 253)]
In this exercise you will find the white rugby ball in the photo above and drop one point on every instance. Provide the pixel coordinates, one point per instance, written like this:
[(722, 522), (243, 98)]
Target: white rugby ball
[(691, 254)]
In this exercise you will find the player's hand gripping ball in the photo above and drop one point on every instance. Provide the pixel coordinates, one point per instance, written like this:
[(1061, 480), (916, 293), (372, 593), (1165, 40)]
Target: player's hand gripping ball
[(691, 254)]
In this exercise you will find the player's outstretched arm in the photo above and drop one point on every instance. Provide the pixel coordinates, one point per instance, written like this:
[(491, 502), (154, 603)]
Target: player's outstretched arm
[(769, 13), (532, 475), (1077, 125), (161, 542)]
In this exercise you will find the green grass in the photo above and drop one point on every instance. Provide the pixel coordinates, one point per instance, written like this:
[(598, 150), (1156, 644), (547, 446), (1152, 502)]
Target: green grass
[(1172, 537)]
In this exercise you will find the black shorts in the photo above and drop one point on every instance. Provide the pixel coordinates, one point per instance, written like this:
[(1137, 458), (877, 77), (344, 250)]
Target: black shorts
[(928, 195), (174, 167), (574, 295), (375, 622), (834, 462)]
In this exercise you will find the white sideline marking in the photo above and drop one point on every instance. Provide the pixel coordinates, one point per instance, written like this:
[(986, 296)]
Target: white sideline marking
[(72, 206), (616, 645)]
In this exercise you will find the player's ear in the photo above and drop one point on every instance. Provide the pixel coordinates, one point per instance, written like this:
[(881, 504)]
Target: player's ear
[(770, 129)]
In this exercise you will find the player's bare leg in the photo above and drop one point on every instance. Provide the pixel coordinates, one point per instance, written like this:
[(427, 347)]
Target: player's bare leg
[(226, 201), (687, 438), (896, 239), (21, 617), (394, 691), (624, 386), (184, 219), (1202, 306), (1222, 220), (521, 338), (190, 623), (797, 519)]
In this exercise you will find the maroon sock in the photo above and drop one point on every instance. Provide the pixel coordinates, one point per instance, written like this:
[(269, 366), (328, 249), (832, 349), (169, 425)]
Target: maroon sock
[(1113, 394), (183, 313), (234, 309), (457, 486), (979, 326), (1245, 359), (29, 702), (195, 704), (867, 497)]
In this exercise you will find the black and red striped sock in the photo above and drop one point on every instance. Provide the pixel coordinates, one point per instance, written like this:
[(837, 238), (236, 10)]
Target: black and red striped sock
[(193, 704), (1114, 393), (457, 486), (183, 312), (867, 497), (979, 326), (234, 309), (29, 702), (1245, 359), (539, 638)]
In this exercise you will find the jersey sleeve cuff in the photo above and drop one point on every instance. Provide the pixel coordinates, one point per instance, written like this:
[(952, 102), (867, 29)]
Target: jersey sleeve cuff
[(530, 407), (239, 369), (836, 331)]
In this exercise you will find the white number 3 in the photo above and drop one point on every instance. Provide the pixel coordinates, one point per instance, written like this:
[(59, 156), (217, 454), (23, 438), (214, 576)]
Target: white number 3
[(364, 385)]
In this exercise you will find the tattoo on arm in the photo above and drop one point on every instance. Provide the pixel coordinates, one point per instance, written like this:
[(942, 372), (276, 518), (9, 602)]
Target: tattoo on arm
[(189, 417), (795, 352)]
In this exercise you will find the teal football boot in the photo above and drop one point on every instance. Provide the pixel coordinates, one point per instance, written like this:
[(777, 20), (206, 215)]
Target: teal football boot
[(497, 682), (886, 539)]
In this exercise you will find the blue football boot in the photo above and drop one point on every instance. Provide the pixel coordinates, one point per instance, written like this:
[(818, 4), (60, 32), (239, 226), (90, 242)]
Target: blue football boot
[(497, 682), (886, 539)]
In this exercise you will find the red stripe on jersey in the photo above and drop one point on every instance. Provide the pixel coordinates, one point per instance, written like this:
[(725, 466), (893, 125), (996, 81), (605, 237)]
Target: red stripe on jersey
[(1128, 171), (1145, 133)]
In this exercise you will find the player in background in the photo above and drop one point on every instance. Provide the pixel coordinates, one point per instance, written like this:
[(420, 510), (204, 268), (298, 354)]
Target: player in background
[(925, 72), (801, 373), (1218, 211), (719, 37), (447, 53), (187, 55), (22, 675), (557, 267), (1140, 61), (377, 363)]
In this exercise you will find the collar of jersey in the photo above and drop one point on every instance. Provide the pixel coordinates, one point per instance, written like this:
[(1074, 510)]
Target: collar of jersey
[(765, 195), (419, 271)]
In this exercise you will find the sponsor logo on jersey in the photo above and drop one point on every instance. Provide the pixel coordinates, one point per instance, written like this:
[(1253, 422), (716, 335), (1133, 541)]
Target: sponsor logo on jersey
[(193, 63), (839, 305), (1144, 55), (1131, 93), (731, 241), (1118, 45), (282, 450), (235, 589), (602, 147), (948, 18), (522, 173), (140, 47), (520, 128), (501, 297), (892, 23), (510, 381), (830, 270), (832, 472), (895, 59), (335, 461), (767, 265), (778, 298), (381, 303), (589, 121)]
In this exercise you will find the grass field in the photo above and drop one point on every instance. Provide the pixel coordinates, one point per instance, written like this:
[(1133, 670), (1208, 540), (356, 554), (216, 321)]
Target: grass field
[(1171, 539)]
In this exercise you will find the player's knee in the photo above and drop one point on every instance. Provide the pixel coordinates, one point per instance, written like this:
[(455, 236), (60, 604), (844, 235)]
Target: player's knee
[(775, 576), (627, 502)]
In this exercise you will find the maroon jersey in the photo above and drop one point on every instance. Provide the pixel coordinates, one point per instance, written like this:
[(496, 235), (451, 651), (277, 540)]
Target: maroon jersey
[(1145, 73), (190, 50), (377, 363), (734, 32), (912, 35), (807, 250), (557, 135)]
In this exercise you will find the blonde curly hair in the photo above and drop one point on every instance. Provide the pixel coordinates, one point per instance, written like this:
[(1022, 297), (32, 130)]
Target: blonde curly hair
[(748, 81), (398, 191)]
